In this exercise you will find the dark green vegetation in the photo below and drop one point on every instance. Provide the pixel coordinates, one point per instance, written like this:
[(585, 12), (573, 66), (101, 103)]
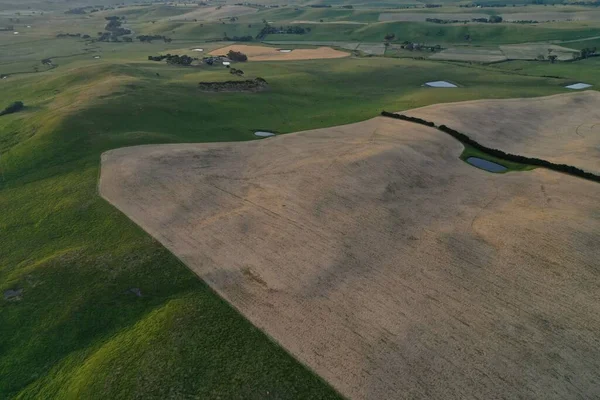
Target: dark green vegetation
[(80, 330), (13, 108), (471, 151), (495, 155), (569, 169)]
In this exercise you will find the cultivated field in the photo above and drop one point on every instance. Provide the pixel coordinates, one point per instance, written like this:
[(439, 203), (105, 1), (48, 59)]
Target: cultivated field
[(470, 54), (263, 53), (532, 51), (382, 261), (564, 129)]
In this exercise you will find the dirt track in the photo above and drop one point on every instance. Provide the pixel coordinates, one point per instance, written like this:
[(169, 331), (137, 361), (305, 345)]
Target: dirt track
[(564, 129), (263, 53), (382, 261)]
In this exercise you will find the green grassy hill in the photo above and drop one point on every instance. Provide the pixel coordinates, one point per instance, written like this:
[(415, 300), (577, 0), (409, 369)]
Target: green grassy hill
[(423, 32)]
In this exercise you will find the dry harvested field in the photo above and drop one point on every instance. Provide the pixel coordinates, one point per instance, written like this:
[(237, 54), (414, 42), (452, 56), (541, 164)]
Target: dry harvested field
[(563, 128), (377, 49), (382, 261), (263, 53), (470, 54)]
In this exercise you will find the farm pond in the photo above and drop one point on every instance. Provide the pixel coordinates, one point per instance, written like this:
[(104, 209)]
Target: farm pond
[(486, 165)]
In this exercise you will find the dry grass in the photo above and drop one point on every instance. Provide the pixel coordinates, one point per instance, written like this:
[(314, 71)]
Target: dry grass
[(263, 53), (564, 129), (382, 261), (531, 51), (470, 54)]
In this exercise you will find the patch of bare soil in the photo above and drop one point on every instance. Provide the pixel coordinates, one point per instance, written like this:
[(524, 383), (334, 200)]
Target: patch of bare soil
[(377, 257), (564, 129), (250, 85), (263, 53)]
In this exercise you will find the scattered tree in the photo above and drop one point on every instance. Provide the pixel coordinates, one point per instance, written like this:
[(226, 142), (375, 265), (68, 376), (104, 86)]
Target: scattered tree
[(237, 56)]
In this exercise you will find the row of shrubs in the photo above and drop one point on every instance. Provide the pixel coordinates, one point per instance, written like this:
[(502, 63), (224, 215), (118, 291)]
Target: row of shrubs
[(407, 118), (461, 137)]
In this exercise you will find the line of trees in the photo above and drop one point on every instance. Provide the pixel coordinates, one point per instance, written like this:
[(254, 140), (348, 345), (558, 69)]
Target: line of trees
[(184, 60), (289, 30), (493, 19), (238, 38), (150, 38), (461, 137), (13, 108), (407, 118)]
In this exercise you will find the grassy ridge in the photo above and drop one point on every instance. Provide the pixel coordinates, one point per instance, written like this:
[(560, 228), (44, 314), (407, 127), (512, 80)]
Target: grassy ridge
[(79, 331), (436, 33)]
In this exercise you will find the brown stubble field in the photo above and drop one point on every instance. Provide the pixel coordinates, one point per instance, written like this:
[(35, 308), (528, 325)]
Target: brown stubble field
[(563, 129), (382, 261), (264, 53)]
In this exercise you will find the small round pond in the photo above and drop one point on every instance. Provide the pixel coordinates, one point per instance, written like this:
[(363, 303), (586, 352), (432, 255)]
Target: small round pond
[(486, 165)]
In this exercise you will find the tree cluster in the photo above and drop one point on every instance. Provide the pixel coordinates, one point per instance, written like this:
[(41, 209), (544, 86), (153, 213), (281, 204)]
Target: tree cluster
[(419, 47), (235, 71), (587, 52), (75, 35), (150, 38), (461, 137), (237, 56), (184, 60), (526, 21), (13, 108), (289, 30), (446, 21), (114, 26), (76, 11), (238, 38), (494, 19)]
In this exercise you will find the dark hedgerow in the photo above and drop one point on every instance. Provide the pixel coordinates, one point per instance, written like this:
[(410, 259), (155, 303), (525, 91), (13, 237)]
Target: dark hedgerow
[(407, 118), (461, 137)]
